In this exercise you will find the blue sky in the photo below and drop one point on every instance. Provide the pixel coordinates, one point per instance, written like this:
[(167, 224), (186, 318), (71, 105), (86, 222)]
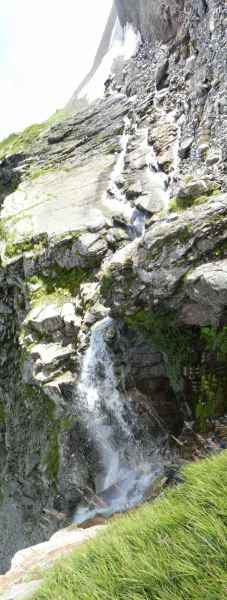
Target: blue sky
[(46, 47)]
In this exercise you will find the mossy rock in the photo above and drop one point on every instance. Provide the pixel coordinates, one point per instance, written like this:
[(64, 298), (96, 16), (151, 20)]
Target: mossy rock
[(176, 343)]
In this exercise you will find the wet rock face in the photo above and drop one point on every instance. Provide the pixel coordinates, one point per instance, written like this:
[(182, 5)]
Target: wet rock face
[(147, 162)]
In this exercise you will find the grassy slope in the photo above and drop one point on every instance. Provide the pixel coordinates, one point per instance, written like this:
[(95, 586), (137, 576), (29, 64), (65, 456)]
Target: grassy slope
[(23, 141), (173, 549)]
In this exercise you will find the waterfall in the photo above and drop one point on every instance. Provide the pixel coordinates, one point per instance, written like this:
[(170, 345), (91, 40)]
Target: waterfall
[(116, 193), (127, 468)]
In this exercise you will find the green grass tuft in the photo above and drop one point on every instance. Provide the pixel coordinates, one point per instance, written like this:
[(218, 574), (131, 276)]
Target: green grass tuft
[(173, 549), (23, 141)]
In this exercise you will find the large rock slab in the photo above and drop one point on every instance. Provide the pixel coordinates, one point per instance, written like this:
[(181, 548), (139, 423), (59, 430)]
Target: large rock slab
[(206, 289), (61, 202), (42, 556), (171, 263)]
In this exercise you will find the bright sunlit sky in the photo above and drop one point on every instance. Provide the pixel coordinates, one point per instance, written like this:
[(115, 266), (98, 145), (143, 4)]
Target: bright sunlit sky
[(46, 48)]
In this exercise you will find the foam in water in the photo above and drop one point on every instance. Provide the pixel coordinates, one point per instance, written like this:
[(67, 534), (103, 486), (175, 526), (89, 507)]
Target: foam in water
[(125, 471)]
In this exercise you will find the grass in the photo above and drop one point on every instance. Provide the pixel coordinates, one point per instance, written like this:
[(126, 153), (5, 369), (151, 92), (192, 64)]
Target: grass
[(173, 549), (19, 142), (23, 141)]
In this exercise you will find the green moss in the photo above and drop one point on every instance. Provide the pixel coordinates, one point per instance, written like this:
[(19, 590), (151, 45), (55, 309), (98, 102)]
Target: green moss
[(3, 233), (179, 204), (53, 456), (185, 233), (60, 283), (175, 342), (67, 422), (215, 341), (173, 205), (106, 284), (36, 173), (188, 179), (183, 203), (207, 403), (220, 251), (44, 416), (2, 414), (211, 400), (26, 245), (113, 148)]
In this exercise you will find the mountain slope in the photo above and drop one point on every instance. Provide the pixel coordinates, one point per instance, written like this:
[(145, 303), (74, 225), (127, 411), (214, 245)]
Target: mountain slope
[(117, 210)]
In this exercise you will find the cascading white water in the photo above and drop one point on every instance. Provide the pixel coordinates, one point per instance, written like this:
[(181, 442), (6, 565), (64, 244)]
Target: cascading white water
[(115, 193), (115, 190), (158, 179), (126, 467)]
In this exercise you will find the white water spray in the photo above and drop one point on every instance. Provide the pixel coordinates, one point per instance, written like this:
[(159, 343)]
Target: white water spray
[(115, 194), (124, 472)]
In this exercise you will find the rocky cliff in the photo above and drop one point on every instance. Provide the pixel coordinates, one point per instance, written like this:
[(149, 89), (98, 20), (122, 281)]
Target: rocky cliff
[(118, 209)]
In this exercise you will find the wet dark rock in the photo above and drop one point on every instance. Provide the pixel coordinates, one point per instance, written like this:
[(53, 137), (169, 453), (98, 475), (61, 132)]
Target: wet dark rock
[(161, 74), (185, 147)]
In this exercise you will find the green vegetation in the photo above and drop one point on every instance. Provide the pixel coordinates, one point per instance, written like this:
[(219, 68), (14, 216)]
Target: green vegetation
[(215, 341), (47, 427), (53, 457), (213, 384), (106, 283), (20, 142), (46, 169), (176, 343), (173, 549), (179, 204), (59, 283), (26, 245), (210, 399), (23, 141), (2, 413)]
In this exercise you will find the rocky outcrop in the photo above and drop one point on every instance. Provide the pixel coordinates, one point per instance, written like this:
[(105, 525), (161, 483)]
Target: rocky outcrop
[(15, 584), (120, 209), (162, 269), (153, 19)]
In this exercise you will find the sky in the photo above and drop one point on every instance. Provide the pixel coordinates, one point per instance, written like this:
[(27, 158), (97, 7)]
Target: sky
[(46, 48)]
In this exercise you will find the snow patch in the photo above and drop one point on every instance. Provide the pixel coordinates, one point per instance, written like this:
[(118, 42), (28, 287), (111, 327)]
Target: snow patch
[(124, 44)]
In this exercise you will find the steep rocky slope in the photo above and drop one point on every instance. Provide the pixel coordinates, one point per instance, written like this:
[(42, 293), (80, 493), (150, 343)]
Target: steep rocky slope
[(120, 209)]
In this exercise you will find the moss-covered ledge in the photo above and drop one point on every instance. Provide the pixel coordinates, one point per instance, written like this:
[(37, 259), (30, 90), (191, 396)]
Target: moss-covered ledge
[(176, 342), (195, 358)]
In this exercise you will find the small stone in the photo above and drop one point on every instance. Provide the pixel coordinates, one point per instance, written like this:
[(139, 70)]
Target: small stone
[(185, 147), (134, 190), (192, 190), (212, 159)]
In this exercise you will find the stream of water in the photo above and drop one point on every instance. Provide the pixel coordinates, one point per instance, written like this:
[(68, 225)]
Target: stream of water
[(127, 467)]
